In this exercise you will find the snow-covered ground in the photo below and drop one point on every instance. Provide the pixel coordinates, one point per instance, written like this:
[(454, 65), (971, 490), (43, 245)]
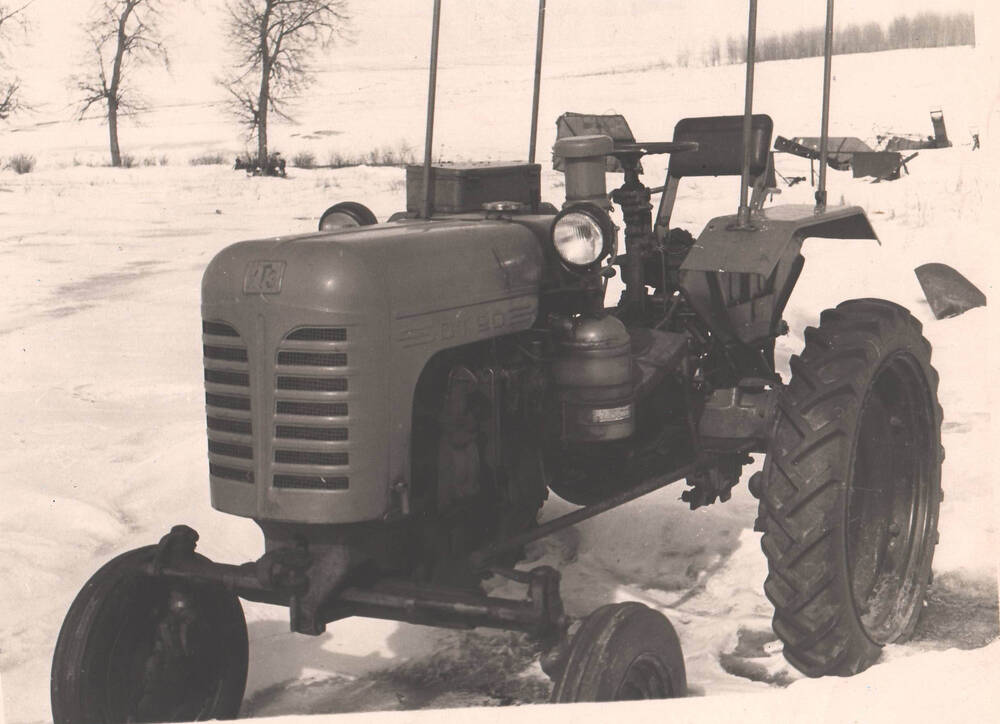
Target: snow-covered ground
[(102, 438)]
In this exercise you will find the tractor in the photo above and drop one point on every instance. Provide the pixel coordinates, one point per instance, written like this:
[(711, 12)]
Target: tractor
[(392, 403)]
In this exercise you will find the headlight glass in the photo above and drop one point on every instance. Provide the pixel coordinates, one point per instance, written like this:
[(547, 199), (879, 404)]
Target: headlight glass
[(578, 238)]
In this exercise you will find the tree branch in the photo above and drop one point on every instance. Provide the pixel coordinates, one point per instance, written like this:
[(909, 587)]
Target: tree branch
[(272, 41)]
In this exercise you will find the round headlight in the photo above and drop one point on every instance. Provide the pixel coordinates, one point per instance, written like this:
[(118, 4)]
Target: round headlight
[(582, 235), (345, 215)]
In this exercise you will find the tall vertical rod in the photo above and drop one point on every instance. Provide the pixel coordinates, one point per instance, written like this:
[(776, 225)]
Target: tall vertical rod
[(431, 91), (824, 135), (743, 213), (538, 81)]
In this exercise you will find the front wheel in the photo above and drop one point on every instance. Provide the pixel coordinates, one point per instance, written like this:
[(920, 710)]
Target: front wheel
[(622, 652), (139, 648), (851, 488)]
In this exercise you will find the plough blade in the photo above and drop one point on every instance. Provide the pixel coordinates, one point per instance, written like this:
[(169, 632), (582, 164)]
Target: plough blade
[(948, 292)]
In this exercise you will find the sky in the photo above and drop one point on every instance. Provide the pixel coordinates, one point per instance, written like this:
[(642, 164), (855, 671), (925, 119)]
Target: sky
[(396, 32)]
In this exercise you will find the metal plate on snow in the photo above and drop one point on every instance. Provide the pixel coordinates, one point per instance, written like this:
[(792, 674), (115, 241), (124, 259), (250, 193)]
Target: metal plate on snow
[(948, 292)]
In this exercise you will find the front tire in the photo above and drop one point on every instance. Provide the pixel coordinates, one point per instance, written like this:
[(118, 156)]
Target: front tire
[(851, 488), (139, 648), (622, 652)]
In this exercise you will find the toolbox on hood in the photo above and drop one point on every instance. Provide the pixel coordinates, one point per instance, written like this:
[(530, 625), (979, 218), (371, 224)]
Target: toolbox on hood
[(462, 187)]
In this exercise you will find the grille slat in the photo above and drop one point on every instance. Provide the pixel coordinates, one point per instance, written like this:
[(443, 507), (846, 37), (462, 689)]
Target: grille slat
[(227, 402), (295, 432), (223, 471), (313, 384), (218, 329), (228, 354), (305, 457), (230, 450), (237, 427), (319, 334), (308, 482), (312, 409), (297, 358), (227, 377)]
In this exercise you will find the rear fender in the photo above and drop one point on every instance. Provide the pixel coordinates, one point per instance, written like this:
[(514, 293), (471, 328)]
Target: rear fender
[(739, 280)]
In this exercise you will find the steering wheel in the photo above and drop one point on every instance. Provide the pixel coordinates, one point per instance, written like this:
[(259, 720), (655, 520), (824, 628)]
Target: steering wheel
[(637, 150)]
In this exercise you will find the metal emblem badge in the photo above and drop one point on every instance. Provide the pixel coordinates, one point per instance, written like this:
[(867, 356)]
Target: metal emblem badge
[(264, 277)]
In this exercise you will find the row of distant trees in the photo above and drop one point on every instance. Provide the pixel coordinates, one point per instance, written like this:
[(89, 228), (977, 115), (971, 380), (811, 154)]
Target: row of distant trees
[(270, 40), (926, 30)]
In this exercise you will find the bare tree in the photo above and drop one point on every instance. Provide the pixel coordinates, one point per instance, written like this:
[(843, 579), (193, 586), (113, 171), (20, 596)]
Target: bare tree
[(9, 87), (714, 52), (123, 34), (273, 40)]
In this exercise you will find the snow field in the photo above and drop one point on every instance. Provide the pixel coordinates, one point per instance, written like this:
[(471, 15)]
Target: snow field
[(103, 441)]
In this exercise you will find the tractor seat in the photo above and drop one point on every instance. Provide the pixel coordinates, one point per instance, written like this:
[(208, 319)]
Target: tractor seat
[(720, 146), (720, 153)]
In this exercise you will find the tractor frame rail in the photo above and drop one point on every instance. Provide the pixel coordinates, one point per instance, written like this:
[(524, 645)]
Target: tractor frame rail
[(330, 584)]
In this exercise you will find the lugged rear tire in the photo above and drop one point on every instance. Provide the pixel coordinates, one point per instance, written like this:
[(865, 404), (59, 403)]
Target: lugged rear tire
[(851, 488), (139, 648)]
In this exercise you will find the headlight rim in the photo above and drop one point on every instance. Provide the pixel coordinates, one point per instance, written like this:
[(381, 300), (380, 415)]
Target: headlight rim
[(602, 220), (357, 211)]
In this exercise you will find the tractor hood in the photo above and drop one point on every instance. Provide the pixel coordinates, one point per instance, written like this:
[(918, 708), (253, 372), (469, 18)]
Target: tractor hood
[(405, 269), (313, 348)]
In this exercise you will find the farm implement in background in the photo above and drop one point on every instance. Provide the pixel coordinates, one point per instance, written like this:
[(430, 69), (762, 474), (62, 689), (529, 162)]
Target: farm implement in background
[(884, 163), (916, 142), (848, 153)]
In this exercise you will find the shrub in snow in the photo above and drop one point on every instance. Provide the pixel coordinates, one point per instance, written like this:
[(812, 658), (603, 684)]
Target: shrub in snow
[(304, 159), (21, 163), (208, 159)]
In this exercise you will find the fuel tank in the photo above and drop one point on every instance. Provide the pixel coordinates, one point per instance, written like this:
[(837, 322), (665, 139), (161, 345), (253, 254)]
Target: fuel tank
[(313, 345)]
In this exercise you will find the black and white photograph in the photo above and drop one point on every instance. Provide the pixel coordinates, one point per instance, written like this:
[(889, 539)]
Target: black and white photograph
[(499, 360)]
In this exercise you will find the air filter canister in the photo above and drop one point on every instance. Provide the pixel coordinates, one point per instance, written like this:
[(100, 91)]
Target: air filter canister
[(592, 372)]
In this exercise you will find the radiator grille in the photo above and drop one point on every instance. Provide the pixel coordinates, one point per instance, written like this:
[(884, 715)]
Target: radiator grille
[(227, 399), (311, 383)]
